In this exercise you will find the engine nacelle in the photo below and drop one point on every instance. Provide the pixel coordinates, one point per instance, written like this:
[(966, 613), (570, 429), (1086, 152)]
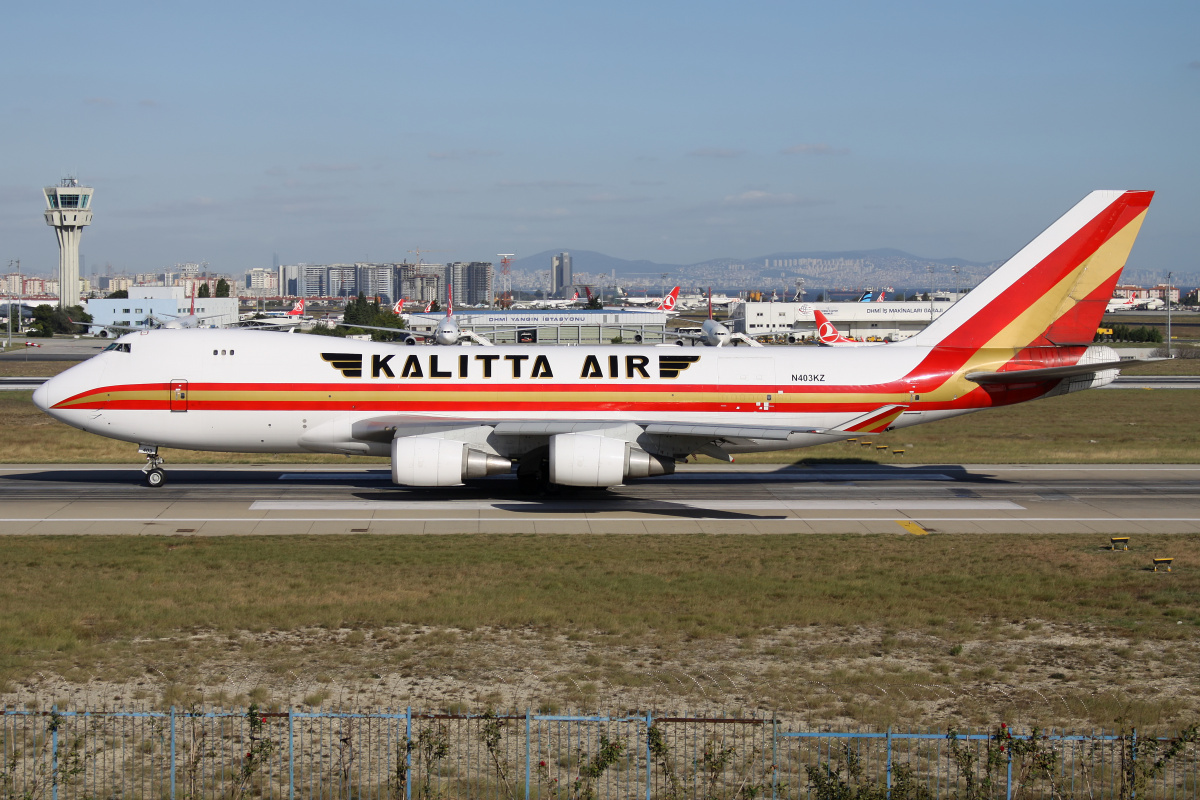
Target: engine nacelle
[(426, 461), (582, 459)]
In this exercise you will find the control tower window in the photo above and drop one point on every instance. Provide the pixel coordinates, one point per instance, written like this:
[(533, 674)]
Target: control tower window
[(83, 200), (69, 200), (53, 198)]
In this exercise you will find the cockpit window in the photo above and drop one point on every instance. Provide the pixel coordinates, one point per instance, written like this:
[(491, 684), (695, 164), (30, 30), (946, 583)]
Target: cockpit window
[(120, 347)]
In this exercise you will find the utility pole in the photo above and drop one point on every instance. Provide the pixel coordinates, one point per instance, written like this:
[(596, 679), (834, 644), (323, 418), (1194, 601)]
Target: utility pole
[(1169, 274), (954, 269), (929, 269)]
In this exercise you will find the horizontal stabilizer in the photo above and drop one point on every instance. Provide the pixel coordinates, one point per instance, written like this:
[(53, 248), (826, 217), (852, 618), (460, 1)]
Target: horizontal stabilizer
[(1052, 373), (876, 421)]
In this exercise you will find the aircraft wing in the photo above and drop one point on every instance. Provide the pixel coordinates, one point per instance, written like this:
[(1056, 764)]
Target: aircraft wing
[(387, 427), (1053, 373)]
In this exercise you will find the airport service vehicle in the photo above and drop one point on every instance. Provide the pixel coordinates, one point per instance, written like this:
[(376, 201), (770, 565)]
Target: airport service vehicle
[(601, 415)]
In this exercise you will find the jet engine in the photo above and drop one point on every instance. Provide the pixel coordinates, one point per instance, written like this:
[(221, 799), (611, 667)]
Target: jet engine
[(428, 461), (582, 459)]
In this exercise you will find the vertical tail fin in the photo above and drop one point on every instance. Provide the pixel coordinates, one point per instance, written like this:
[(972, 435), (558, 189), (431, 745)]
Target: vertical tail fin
[(1056, 289), (668, 302)]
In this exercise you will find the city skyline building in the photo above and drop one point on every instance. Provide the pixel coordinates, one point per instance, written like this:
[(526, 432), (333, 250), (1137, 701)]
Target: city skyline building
[(560, 273), (68, 210)]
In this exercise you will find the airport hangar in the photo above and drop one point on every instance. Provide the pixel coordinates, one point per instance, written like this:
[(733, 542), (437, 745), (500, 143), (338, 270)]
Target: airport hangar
[(552, 326), (889, 321), (161, 303)]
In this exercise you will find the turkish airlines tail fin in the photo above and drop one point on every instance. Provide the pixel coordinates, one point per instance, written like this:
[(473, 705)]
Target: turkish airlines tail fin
[(298, 309), (668, 302), (399, 307), (1056, 289), (826, 332)]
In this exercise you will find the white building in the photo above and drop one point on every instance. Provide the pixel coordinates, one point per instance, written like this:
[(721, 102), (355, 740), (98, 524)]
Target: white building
[(860, 320), (149, 303), (575, 326)]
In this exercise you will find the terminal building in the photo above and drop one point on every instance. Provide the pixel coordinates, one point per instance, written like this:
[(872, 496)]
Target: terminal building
[(572, 326), (887, 321)]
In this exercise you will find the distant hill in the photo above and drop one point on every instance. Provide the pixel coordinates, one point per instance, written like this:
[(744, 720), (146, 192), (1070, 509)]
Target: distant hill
[(819, 269)]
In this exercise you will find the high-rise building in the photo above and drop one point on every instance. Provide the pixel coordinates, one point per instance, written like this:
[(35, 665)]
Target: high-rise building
[(560, 274), (377, 280), (262, 280), (342, 280), (315, 276), (68, 209), (421, 283), (472, 281)]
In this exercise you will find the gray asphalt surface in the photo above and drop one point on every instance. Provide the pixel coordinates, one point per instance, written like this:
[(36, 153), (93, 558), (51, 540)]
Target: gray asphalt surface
[(751, 499)]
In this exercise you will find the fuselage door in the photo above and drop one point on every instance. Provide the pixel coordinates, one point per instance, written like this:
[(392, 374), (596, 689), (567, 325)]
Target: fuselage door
[(179, 393)]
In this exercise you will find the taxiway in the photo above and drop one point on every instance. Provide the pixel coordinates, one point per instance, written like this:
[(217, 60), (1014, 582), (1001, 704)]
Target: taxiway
[(738, 499)]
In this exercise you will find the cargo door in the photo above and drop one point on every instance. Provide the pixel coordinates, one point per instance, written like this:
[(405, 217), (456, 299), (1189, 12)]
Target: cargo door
[(179, 394)]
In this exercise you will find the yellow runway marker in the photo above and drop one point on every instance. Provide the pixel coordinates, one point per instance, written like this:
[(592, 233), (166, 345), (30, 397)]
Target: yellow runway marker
[(912, 527)]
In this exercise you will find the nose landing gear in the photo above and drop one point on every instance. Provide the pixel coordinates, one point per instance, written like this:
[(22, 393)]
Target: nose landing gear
[(152, 472)]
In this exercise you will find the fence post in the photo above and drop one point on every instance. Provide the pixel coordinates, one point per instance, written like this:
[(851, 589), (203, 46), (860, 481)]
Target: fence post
[(172, 752), (291, 757), (1008, 785), (528, 750), (408, 753), (889, 762), (649, 756), (774, 754), (54, 751), (1133, 767)]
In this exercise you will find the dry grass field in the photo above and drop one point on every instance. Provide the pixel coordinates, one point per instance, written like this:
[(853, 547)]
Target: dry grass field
[(836, 630), (842, 631)]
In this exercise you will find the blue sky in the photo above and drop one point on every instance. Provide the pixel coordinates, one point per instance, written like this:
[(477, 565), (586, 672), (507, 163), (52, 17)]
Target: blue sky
[(669, 131)]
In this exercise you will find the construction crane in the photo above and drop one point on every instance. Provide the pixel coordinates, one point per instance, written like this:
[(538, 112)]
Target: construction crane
[(506, 279), (419, 251)]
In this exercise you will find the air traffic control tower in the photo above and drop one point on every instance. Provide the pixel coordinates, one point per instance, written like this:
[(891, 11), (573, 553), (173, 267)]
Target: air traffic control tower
[(68, 209)]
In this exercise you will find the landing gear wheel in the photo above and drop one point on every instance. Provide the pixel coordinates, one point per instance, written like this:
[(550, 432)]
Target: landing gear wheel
[(154, 475)]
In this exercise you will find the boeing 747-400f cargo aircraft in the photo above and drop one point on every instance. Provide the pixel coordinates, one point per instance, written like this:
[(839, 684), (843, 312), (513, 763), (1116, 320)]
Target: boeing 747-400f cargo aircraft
[(601, 415)]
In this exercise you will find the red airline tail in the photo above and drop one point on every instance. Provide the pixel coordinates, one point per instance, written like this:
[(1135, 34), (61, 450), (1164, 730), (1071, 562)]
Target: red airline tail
[(450, 300), (826, 331), (429, 307), (399, 307), (1054, 292), (668, 302), (298, 309)]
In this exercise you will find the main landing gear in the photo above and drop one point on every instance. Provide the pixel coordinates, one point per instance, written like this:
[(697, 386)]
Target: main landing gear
[(153, 472)]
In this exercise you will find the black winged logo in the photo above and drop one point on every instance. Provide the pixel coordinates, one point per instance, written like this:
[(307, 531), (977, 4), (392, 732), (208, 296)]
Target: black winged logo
[(671, 366), (349, 364)]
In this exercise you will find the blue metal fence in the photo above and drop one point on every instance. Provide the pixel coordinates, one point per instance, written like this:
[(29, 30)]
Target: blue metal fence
[(292, 754)]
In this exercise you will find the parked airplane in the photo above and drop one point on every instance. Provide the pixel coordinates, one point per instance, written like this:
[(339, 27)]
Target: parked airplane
[(830, 336), (1134, 304), (665, 303), (711, 333), (601, 415)]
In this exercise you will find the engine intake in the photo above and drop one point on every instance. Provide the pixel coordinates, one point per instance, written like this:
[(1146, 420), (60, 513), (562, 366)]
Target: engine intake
[(582, 459), (428, 461)]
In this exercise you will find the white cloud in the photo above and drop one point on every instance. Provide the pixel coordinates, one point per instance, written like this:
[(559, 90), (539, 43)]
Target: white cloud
[(552, 184), (757, 198), (462, 155), (715, 152), (330, 167), (819, 149)]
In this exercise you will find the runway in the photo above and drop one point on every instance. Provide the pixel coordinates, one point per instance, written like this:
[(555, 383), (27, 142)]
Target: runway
[(738, 499)]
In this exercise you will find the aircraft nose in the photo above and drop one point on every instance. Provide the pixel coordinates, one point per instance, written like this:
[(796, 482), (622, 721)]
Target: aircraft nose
[(41, 397)]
